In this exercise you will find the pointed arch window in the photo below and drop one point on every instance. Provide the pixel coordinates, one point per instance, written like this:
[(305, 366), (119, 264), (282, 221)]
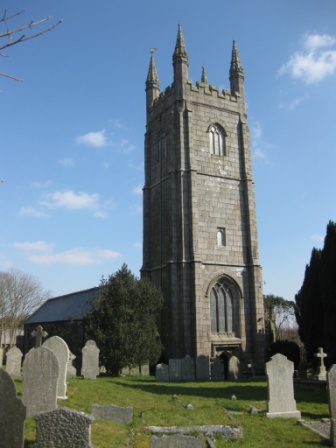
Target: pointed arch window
[(221, 308), (217, 140)]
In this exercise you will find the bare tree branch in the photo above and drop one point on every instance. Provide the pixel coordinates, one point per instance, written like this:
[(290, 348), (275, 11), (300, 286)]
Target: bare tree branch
[(10, 34)]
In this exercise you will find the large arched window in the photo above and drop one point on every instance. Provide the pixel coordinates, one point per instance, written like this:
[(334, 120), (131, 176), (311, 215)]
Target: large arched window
[(221, 308), (217, 140)]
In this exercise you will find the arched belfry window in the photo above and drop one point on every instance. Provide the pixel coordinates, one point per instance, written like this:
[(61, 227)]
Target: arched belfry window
[(217, 140), (221, 308)]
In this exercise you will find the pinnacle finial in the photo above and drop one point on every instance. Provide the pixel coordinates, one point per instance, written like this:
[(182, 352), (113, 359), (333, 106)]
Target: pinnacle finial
[(180, 48), (236, 66), (152, 77), (204, 76)]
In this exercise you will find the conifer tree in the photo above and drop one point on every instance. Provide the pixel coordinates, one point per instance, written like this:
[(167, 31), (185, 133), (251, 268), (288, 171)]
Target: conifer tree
[(123, 321)]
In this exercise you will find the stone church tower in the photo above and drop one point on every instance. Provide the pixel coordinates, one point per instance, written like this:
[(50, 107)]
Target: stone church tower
[(200, 236)]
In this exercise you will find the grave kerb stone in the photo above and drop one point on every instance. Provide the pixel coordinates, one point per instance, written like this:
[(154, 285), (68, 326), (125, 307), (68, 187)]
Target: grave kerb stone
[(117, 414)]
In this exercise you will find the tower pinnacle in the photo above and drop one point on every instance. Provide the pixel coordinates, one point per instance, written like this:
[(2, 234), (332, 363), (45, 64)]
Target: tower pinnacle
[(236, 73), (152, 82)]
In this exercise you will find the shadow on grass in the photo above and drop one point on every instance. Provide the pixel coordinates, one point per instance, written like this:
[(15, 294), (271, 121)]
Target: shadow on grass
[(243, 391)]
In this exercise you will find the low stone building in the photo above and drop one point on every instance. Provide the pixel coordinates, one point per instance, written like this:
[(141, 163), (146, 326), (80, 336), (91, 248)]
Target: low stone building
[(62, 316)]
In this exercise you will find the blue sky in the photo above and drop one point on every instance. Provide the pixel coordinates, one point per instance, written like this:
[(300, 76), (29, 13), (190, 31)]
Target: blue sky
[(72, 133)]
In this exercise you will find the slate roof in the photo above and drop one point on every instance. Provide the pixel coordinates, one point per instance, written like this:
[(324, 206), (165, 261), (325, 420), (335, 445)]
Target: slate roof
[(63, 308)]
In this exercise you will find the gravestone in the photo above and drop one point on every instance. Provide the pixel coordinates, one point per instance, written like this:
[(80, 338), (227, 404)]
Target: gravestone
[(162, 373), (281, 401), (90, 360), (175, 370), (321, 374), (117, 414), (62, 428), (202, 368), (188, 369), (13, 362), (58, 346), (217, 370), (234, 368), (177, 440), (71, 369), (134, 371), (144, 370), (38, 334), (40, 373), (331, 376), (1, 356), (12, 413)]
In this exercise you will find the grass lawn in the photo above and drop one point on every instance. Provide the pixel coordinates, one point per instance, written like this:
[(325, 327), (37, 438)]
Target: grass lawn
[(153, 405)]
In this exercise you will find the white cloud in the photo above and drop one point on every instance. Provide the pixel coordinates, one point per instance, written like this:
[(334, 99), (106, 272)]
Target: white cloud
[(30, 211), (316, 62), (71, 200), (67, 162), (97, 139), (42, 253)]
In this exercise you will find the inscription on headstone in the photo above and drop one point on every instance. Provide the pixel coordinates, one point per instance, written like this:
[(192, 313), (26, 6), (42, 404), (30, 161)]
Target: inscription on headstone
[(40, 373), (13, 361), (162, 373), (281, 401), (90, 362), (12, 413), (58, 346)]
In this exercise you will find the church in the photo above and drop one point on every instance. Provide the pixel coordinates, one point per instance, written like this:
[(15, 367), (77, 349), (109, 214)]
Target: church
[(200, 243)]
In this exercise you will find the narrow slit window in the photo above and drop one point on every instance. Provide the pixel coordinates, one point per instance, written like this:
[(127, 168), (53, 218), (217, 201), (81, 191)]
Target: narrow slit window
[(221, 237)]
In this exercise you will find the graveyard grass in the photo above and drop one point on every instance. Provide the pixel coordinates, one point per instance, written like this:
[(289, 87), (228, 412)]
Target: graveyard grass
[(153, 405)]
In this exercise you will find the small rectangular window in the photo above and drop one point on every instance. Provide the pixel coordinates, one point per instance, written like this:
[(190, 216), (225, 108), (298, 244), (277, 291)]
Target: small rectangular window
[(221, 237)]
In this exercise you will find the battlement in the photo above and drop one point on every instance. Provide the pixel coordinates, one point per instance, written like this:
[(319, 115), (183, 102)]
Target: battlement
[(200, 88)]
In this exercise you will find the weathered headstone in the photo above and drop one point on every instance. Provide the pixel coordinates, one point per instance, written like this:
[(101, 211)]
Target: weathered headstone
[(162, 373), (188, 369), (177, 440), (331, 377), (202, 368), (63, 428), (217, 370), (281, 401), (116, 414), (40, 373), (12, 413), (144, 370), (134, 371), (71, 369), (90, 361), (13, 361), (175, 370), (234, 368), (38, 334), (321, 374), (58, 346)]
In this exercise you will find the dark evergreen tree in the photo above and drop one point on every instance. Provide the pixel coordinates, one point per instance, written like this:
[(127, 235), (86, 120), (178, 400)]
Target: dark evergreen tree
[(309, 308), (123, 321), (328, 291)]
